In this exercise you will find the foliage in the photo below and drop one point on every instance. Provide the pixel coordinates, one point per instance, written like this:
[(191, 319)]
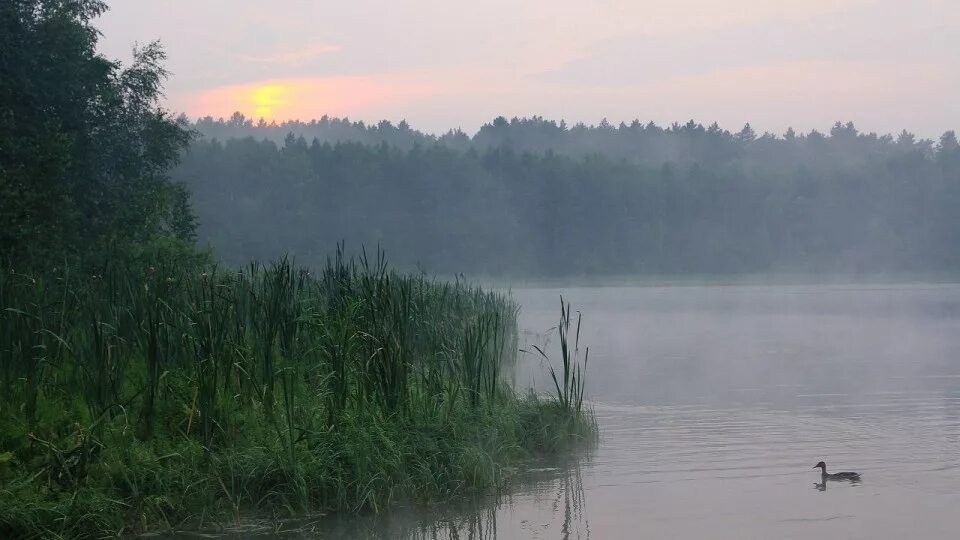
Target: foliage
[(85, 146)]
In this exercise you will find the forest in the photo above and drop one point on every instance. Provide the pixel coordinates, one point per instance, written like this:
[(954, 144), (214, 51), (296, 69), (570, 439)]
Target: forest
[(536, 198)]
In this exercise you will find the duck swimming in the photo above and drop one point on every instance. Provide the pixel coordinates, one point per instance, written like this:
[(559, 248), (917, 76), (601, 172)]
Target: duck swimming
[(851, 476)]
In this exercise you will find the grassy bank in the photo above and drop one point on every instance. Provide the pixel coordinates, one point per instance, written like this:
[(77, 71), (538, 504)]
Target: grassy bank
[(172, 395)]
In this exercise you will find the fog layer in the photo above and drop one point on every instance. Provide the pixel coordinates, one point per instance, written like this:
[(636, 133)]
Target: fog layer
[(534, 197)]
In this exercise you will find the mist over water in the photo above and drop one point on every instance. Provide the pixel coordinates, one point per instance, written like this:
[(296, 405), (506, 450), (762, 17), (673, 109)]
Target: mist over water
[(715, 402), (770, 345)]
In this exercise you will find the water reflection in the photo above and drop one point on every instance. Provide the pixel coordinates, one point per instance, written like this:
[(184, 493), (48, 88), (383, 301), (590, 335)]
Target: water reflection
[(562, 485), (556, 492), (575, 505), (822, 485)]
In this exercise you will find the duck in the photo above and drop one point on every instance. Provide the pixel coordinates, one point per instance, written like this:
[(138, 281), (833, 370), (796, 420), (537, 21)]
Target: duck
[(851, 476)]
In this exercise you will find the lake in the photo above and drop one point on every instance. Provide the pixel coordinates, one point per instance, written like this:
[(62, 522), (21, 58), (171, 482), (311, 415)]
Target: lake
[(714, 404)]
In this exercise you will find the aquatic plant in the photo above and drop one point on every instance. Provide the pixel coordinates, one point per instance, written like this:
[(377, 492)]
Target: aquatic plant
[(571, 382), (146, 397)]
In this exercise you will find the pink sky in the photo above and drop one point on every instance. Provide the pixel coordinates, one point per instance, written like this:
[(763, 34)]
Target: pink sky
[(884, 64)]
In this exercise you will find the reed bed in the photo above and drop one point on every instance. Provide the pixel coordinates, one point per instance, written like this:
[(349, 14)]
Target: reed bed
[(178, 395)]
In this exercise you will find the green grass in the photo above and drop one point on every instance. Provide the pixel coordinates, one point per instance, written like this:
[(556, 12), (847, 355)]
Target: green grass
[(179, 395)]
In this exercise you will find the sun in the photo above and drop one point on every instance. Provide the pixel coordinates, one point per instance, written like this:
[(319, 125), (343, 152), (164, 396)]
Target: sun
[(265, 99)]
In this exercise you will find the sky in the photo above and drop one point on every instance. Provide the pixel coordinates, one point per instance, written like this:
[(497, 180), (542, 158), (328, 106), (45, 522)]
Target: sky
[(886, 65)]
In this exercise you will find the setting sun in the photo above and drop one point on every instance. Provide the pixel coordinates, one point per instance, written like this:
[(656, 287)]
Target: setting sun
[(310, 97), (265, 98)]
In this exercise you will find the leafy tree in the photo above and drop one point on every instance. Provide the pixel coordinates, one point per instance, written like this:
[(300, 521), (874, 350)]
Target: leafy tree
[(84, 145)]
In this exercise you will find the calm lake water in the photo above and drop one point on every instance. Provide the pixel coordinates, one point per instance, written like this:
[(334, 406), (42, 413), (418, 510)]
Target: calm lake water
[(714, 404)]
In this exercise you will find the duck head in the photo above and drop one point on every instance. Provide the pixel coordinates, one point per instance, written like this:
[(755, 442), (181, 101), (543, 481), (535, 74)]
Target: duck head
[(822, 466)]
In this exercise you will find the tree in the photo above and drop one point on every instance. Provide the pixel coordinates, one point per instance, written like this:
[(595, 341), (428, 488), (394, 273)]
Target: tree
[(905, 138), (85, 145), (948, 142), (948, 154), (747, 134)]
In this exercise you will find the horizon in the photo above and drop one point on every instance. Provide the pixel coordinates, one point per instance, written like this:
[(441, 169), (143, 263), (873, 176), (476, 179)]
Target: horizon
[(255, 123)]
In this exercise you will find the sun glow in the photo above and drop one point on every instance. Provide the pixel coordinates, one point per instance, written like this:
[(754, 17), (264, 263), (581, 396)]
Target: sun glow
[(310, 97), (266, 98)]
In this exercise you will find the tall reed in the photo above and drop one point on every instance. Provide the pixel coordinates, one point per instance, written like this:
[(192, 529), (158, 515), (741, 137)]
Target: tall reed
[(158, 384), (570, 383)]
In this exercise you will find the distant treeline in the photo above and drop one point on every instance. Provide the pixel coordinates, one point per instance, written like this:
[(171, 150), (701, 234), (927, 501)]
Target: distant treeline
[(637, 142), (532, 197)]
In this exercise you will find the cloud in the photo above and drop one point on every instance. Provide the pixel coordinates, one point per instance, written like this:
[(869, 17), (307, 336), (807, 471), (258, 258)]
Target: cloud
[(294, 57), (865, 34)]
